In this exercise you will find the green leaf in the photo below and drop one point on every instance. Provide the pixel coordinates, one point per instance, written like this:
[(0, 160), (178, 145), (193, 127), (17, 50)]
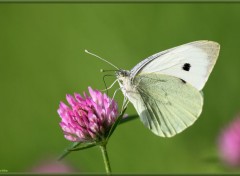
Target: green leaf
[(75, 147), (129, 118), (89, 145), (66, 151), (115, 124)]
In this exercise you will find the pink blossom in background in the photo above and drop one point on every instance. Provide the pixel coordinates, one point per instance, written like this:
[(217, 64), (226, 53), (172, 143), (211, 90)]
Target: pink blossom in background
[(89, 118), (52, 166), (229, 143)]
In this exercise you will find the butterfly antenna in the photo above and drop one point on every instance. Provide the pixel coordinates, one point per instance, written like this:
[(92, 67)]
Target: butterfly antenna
[(101, 59)]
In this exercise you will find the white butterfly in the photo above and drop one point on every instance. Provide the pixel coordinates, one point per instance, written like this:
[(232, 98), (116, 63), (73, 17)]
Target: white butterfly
[(165, 88)]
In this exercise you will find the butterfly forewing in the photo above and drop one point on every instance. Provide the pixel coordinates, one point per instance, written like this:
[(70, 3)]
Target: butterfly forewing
[(192, 62)]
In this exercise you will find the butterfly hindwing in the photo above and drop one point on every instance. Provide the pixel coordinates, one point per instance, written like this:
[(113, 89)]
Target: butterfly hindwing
[(166, 104)]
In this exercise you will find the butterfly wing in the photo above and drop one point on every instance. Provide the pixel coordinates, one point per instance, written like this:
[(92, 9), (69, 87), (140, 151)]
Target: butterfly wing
[(165, 88), (192, 62), (166, 104)]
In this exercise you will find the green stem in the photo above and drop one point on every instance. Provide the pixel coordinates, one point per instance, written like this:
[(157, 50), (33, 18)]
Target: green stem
[(105, 158)]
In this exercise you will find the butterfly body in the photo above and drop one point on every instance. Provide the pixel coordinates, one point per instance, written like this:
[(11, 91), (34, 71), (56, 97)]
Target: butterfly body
[(125, 83), (165, 88)]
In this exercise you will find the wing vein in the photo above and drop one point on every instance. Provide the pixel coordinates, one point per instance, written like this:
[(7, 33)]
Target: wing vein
[(159, 109)]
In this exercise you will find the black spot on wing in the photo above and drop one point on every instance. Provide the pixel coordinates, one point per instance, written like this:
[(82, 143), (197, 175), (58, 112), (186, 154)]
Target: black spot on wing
[(186, 67), (183, 81)]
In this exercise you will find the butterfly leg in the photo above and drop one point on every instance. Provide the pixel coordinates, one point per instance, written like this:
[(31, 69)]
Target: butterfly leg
[(125, 103), (114, 94), (105, 83), (107, 88)]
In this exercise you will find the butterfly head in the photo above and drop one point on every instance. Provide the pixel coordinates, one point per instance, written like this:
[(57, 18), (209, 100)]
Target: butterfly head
[(123, 77), (122, 73)]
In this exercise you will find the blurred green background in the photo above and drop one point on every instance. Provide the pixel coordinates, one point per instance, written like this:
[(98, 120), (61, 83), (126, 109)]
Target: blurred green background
[(42, 59)]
